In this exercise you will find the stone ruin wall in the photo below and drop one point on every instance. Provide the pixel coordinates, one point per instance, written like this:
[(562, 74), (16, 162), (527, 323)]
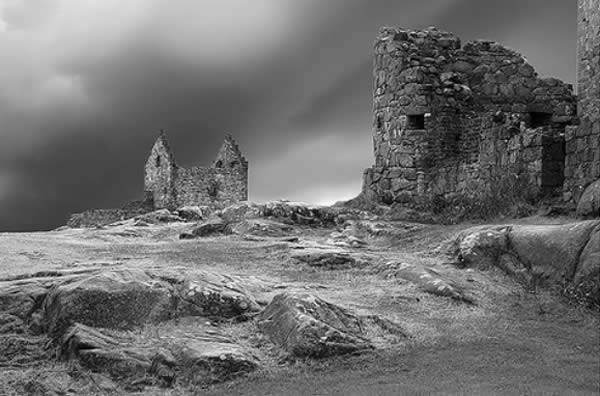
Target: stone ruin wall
[(583, 141), (214, 187), (449, 118), (170, 186)]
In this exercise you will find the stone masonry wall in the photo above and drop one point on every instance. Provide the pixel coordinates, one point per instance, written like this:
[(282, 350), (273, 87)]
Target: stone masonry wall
[(448, 117), (213, 187), (170, 186), (160, 172), (583, 142)]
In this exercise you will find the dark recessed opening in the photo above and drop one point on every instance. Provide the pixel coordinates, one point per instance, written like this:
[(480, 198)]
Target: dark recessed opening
[(415, 121), (158, 161), (379, 122), (538, 119), (219, 164)]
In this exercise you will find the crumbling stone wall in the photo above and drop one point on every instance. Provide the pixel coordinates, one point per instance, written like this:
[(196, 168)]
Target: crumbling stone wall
[(101, 217), (170, 186), (448, 118), (583, 142)]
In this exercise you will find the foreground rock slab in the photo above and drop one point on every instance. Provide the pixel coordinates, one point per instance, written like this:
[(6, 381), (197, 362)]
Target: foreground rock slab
[(547, 255), (307, 326), (116, 299), (427, 279), (125, 298), (205, 359)]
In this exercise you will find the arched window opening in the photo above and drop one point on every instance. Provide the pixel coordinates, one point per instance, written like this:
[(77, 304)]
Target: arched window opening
[(158, 161)]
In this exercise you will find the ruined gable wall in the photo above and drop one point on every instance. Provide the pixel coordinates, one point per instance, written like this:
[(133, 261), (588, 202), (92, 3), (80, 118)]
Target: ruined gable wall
[(469, 99), (159, 176), (583, 142)]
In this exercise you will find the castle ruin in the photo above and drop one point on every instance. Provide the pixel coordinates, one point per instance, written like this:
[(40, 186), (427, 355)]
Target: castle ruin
[(168, 185), (450, 118)]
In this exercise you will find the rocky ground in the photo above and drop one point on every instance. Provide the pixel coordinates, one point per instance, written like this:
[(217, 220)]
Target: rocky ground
[(288, 299)]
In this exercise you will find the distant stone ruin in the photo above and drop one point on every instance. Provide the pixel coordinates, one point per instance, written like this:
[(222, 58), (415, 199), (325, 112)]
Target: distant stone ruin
[(168, 185), (450, 118)]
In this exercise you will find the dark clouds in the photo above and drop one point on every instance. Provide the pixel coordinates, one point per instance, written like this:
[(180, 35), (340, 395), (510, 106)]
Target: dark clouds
[(86, 85)]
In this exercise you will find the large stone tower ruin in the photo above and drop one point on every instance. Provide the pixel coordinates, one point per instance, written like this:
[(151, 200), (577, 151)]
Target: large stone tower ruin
[(583, 141), (451, 118)]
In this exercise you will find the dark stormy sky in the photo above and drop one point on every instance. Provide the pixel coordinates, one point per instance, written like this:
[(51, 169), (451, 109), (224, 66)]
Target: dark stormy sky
[(85, 86)]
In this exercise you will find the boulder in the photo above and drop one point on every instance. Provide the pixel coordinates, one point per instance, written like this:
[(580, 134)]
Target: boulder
[(214, 296), (192, 213), (210, 228), (113, 299), (589, 203), (158, 217), (427, 279), (307, 326), (211, 359)]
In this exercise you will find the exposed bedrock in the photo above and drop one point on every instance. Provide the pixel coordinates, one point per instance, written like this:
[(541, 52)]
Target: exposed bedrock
[(205, 359), (88, 315), (550, 255), (426, 279), (305, 325), (125, 298)]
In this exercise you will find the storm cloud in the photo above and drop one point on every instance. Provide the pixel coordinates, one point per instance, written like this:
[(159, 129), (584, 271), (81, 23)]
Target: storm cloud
[(87, 84)]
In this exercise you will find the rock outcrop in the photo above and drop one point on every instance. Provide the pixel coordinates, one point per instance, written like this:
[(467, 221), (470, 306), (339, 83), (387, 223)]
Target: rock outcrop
[(551, 255), (589, 203), (427, 279), (210, 228), (307, 326), (89, 314)]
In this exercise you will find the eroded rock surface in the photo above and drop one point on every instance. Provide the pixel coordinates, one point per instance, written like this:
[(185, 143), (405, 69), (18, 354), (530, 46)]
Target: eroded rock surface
[(210, 228), (159, 216), (326, 258), (200, 359), (589, 203), (114, 299), (125, 298), (287, 211), (193, 213), (427, 279), (541, 254), (307, 326)]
